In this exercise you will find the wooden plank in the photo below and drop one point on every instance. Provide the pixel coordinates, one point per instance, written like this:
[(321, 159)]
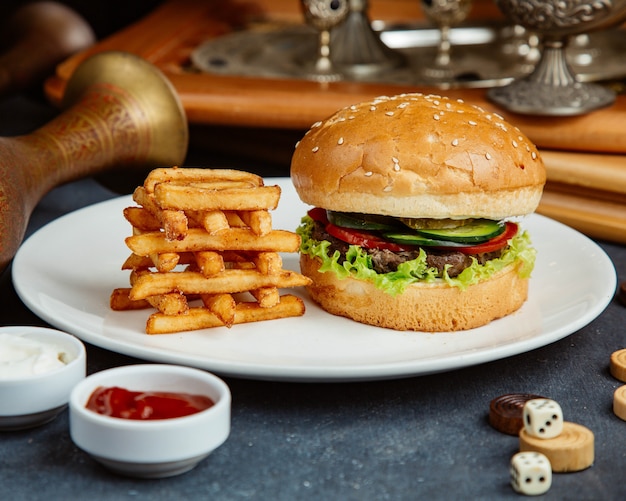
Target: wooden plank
[(168, 34), (595, 218)]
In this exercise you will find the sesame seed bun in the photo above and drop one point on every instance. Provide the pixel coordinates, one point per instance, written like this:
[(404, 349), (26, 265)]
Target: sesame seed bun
[(418, 156)]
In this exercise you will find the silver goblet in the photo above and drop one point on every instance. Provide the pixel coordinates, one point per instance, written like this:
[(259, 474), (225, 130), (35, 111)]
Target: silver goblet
[(358, 49), (324, 15), (445, 14), (552, 88)]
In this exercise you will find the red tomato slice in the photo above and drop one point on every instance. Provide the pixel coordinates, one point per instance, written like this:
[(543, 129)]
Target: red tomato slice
[(491, 245), (318, 214), (363, 238)]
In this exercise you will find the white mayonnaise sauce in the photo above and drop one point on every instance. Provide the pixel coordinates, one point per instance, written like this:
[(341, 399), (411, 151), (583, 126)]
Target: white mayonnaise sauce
[(22, 356)]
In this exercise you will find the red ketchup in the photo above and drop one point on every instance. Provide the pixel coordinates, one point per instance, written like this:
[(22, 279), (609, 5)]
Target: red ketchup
[(142, 405)]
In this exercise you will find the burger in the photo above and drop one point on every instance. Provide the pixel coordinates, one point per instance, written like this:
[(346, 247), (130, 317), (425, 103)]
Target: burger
[(417, 210)]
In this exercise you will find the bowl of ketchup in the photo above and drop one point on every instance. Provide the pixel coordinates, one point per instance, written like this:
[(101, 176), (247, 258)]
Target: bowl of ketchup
[(150, 420)]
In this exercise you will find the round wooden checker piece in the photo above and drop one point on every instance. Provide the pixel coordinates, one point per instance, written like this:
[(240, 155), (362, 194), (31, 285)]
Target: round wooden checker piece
[(617, 365), (619, 402), (506, 412), (572, 450)]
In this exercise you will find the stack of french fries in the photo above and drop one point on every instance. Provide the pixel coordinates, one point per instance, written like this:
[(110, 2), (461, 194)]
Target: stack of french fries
[(204, 253)]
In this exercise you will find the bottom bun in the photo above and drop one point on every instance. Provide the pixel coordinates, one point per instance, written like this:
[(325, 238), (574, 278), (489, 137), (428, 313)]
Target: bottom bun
[(433, 307)]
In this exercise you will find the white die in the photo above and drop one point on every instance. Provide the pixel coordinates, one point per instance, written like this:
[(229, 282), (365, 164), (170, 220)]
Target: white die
[(543, 418), (531, 473)]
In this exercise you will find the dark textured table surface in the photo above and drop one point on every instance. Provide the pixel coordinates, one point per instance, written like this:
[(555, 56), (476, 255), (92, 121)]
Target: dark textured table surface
[(417, 438)]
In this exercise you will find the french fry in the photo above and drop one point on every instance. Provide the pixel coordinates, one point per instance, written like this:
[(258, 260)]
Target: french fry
[(229, 281), (173, 303), (259, 221), (212, 221), (135, 262), (173, 196), (266, 296), (234, 221), (216, 185), (202, 318), (268, 263), (174, 223), (209, 263), (165, 261), (222, 305), (141, 218), (232, 239), (190, 175), (119, 301), (144, 198)]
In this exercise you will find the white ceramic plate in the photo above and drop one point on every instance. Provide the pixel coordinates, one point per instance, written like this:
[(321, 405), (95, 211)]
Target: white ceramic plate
[(66, 271)]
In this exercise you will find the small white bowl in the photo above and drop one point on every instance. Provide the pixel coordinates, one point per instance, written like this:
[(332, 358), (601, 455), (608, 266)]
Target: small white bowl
[(31, 400), (151, 448)]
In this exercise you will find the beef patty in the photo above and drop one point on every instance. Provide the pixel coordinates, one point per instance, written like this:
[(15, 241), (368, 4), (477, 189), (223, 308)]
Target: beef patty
[(386, 261)]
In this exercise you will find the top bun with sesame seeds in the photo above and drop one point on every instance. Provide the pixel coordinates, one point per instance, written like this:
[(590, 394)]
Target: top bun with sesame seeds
[(417, 212), (414, 155)]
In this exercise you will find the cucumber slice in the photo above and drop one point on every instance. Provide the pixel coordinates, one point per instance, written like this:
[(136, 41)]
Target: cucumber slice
[(415, 239), (479, 230), (357, 221)]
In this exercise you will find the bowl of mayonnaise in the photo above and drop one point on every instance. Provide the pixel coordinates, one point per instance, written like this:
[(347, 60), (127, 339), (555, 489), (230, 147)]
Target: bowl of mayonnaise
[(39, 367)]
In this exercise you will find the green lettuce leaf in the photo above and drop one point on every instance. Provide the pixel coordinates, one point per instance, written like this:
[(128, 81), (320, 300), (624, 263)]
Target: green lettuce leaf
[(358, 263)]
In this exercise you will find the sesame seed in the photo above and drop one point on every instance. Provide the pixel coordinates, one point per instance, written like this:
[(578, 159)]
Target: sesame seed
[(448, 105), (387, 188), (403, 105), (436, 117), (353, 107), (514, 143), (340, 141), (389, 113), (396, 167), (351, 117), (471, 122), (455, 142), (460, 101), (436, 103), (297, 144), (316, 124), (368, 173), (372, 108), (395, 160), (488, 156), (315, 149), (534, 155)]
